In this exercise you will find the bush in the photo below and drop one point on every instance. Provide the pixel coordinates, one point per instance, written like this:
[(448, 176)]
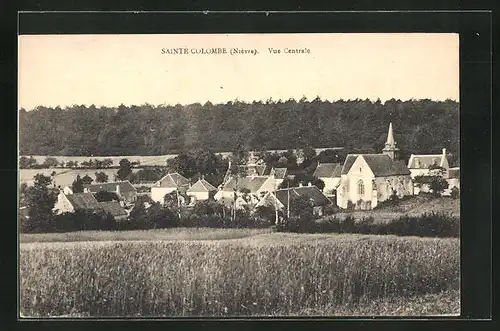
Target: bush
[(82, 220), (425, 225), (455, 192)]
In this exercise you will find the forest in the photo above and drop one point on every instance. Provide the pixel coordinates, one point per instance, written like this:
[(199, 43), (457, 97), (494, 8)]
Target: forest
[(420, 126)]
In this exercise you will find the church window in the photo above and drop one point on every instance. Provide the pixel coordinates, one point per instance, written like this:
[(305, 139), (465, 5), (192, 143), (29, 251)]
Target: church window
[(361, 187)]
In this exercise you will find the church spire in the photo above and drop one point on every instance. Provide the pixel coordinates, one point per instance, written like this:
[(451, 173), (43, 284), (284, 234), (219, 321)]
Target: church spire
[(390, 145), (390, 138)]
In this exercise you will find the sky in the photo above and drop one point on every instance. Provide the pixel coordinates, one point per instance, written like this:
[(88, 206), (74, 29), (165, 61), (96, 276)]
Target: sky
[(109, 70)]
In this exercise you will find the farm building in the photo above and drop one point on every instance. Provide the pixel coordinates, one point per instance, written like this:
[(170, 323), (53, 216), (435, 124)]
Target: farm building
[(167, 184), (124, 190), (69, 203), (281, 197), (201, 190), (367, 179), (329, 173)]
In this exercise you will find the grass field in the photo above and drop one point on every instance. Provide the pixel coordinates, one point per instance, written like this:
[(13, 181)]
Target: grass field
[(414, 206), (218, 272)]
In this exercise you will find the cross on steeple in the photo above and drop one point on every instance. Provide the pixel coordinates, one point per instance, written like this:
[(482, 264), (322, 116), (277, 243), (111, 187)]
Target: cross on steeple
[(390, 148)]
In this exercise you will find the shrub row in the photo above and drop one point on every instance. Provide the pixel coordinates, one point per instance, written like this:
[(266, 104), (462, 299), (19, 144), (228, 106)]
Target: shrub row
[(425, 225)]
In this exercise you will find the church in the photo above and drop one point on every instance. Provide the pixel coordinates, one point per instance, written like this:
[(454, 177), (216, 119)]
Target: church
[(368, 179)]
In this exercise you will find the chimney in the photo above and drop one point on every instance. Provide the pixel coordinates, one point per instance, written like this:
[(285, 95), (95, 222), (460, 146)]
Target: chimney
[(118, 189), (444, 151), (300, 185), (309, 184)]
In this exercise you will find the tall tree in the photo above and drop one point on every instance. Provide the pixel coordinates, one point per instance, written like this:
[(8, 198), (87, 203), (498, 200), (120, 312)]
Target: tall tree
[(77, 186), (125, 169), (40, 200), (101, 177)]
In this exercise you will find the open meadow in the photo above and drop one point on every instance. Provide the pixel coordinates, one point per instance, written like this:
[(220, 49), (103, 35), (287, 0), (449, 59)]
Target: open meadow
[(64, 176), (236, 272)]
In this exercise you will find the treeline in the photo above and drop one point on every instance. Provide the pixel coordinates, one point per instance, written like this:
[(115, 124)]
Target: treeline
[(422, 126)]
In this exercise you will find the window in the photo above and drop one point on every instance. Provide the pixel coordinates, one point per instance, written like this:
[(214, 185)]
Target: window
[(361, 187)]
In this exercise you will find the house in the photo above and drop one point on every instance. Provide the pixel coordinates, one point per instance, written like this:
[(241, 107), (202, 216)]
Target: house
[(125, 190), (422, 164), (329, 173), (253, 186), (167, 184), (115, 209), (251, 169), (201, 190), (368, 179), (279, 175), (281, 198), (70, 203)]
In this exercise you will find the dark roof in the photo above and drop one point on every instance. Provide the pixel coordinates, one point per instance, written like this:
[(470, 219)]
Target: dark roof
[(380, 164), (262, 170), (454, 173), (312, 192), (173, 180), (251, 183), (279, 173), (83, 201), (328, 170), (202, 186), (111, 187), (113, 208)]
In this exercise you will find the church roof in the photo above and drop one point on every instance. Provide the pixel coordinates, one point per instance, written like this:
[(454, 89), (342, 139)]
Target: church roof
[(328, 170), (380, 164), (349, 161)]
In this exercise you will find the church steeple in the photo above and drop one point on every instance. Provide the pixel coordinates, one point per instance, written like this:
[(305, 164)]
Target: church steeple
[(390, 148)]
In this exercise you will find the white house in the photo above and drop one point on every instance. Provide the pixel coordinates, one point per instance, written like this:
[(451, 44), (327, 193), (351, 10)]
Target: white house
[(329, 173), (367, 179), (201, 190), (169, 183), (421, 164)]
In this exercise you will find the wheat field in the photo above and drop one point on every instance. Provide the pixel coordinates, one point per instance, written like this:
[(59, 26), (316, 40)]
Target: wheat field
[(263, 275)]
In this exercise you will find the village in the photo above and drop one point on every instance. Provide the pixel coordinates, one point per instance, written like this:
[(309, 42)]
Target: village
[(361, 182)]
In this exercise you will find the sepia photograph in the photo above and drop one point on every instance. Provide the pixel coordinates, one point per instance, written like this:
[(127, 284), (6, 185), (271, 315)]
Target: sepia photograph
[(239, 175)]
